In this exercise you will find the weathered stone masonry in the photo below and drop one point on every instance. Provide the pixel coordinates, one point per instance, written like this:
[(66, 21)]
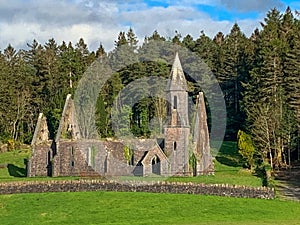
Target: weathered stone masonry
[(155, 187)]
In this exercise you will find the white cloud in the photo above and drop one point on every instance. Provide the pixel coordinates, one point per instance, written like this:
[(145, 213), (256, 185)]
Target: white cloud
[(248, 26), (186, 20), (19, 34), (23, 21), (101, 21), (165, 20)]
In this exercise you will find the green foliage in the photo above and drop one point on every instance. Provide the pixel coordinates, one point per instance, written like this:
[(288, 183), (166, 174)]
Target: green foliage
[(128, 153), (53, 117), (10, 145), (141, 118), (102, 118), (93, 155), (121, 119), (192, 161), (270, 96), (246, 148), (37, 80)]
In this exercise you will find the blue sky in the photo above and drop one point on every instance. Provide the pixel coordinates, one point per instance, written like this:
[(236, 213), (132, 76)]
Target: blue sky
[(231, 10), (97, 21)]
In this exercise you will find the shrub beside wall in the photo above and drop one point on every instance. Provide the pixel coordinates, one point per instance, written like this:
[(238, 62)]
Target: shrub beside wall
[(153, 187)]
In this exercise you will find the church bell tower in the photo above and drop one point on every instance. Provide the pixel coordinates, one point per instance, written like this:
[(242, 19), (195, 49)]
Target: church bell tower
[(177, 130)]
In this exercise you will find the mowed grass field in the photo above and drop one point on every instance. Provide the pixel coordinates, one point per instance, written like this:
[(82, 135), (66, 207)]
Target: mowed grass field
[(143, 208)]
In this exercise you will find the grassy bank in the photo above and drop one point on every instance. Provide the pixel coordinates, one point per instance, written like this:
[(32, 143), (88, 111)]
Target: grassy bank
[(143, 208)]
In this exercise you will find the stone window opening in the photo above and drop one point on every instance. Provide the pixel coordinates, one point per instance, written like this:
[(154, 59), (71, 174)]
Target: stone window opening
[(70, 127), (72, 151), (49, 164), (72, 163), (131, 161), (48, 157), (175, 102), (174, 145), (106, 164), (89, 156)]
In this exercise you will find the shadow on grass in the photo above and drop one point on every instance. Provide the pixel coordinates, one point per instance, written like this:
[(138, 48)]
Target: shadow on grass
[(229, 161), (229, 148), (229, 155), (16, 171)]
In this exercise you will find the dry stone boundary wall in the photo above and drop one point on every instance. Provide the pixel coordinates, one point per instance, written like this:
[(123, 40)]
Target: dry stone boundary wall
[(153, 187)]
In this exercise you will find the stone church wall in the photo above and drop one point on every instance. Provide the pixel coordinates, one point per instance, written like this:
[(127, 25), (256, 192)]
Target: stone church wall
[(38, 163), (72, 157)]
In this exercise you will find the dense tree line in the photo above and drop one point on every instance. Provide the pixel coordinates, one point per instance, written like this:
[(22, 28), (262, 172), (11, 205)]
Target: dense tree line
[(259, 77), (38, 80)]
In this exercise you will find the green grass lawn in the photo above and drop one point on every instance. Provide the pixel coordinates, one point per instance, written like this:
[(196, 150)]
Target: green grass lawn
[(224, 175), (228, 169), (143, 208)]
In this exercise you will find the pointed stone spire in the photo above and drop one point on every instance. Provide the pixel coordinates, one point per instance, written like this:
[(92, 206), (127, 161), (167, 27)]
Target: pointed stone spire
[(41, 133), (68, 126), (177, 80), (201, 139), (201, 127)]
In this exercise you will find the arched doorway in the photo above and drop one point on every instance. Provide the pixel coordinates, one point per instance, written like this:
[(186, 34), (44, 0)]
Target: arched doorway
[(155, 162), (139, 169)]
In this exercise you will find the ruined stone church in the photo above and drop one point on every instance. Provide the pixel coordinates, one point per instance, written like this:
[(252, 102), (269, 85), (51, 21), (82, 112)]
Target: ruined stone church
[(71, 155)]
